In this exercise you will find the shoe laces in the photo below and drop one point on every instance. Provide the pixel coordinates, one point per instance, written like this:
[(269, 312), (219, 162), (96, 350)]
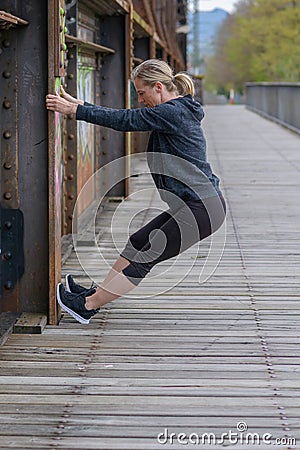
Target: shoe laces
[(88, 292)]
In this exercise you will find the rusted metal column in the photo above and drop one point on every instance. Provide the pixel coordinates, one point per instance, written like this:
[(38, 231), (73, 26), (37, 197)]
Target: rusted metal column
[(129, 50), (24, 149), (151, 47), (69, 135), (70, 147), (9, 156), (56, 69)]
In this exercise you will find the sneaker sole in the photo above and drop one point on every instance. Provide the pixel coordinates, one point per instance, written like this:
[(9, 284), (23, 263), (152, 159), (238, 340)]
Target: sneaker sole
[(68, 310)]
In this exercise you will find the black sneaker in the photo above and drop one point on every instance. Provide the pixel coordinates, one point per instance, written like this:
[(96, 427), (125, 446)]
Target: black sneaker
[(74, 304), (73, 287)]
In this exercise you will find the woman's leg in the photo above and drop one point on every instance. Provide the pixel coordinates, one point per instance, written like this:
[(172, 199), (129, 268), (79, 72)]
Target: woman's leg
[(163, 238), (116, 284), (184, 227)]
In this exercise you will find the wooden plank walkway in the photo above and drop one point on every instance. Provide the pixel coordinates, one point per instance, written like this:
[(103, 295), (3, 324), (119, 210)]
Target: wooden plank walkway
[(194, 358)]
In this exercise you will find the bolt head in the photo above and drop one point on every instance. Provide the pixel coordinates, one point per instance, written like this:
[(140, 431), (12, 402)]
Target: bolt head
[(6, 104), (7, 134), (8, 285)]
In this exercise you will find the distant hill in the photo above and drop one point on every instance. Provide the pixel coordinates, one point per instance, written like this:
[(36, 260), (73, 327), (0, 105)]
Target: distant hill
[(207, 24)]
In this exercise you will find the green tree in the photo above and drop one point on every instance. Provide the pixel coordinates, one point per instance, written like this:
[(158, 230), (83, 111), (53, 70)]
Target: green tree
[(259, 42)]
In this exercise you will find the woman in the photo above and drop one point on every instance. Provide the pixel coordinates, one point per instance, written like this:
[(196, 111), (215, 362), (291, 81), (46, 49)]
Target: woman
[(177, 158)]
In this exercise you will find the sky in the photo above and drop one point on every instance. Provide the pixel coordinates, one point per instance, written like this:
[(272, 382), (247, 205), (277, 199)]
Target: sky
[(207, 5)]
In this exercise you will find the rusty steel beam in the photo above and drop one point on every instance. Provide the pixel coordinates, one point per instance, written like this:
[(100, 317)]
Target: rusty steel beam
[(8, 20), (107, 7), (129, 63), (70, 131), (146, 29), (97, 48), (56, 68), (24, 148), (9, 147), (70, 147)]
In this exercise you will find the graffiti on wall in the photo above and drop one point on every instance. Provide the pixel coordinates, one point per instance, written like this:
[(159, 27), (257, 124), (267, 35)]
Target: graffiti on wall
[(85, 154)]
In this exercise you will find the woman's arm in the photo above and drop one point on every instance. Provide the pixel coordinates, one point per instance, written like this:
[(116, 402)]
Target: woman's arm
[(163, 117)]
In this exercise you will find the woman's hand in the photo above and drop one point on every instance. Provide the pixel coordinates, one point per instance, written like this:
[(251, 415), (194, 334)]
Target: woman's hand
[(69, 97), (54, 102), (63, 103)]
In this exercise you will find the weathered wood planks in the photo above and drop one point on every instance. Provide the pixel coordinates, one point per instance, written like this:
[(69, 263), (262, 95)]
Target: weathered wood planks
[(195, 358)]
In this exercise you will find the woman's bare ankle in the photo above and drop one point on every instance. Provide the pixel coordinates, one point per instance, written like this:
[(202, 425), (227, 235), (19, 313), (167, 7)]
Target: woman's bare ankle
[(91, 302)]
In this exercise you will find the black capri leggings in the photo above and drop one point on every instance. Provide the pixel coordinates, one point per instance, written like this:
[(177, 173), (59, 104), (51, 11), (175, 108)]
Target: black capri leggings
[(171, 233)]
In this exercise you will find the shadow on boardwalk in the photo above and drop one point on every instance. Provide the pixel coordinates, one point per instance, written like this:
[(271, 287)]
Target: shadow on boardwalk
[(194, 359)]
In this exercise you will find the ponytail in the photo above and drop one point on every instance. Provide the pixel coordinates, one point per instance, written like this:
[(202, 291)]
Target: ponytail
[(184, 84)]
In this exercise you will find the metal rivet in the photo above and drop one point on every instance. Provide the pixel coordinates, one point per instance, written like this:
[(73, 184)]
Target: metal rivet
[(71, 136), (71, 177), (6, 43), (6, 74), (71, 76), (7, 195), (71, 197), (6, 104), (7, 165), (7, 134), (8, 224), (71, 156), (7, 255), (8, 285)]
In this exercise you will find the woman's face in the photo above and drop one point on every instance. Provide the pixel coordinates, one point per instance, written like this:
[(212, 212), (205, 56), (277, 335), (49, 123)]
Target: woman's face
[(148, 95)]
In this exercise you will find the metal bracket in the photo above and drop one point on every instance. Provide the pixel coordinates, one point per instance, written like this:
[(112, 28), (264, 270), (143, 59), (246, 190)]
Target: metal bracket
[(11, 247)]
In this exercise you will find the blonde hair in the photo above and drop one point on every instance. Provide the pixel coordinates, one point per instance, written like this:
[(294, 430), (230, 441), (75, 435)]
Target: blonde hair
[(153, 70)]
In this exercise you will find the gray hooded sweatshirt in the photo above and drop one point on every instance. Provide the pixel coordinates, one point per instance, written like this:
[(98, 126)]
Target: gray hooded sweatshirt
[(176, 149)]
